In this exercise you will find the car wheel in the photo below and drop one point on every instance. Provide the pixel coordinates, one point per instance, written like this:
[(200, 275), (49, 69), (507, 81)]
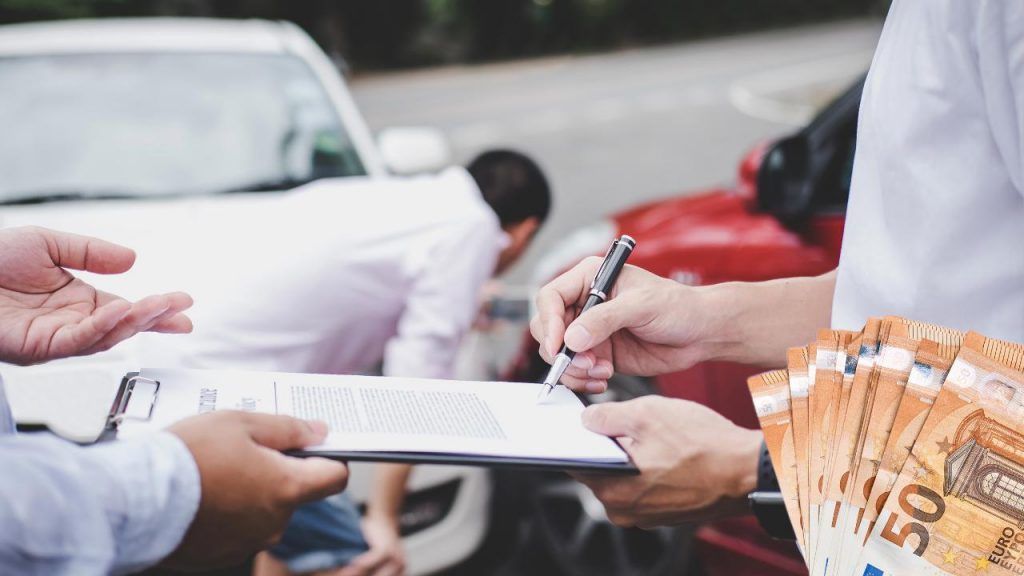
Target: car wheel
[(571, 526), (580, 540)]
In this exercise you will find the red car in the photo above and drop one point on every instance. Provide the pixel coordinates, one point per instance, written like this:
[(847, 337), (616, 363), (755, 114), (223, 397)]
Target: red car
[(783, 217)]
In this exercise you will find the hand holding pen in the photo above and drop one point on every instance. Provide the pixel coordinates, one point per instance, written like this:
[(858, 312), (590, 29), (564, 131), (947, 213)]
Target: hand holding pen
[(600, 289), (650, 325)]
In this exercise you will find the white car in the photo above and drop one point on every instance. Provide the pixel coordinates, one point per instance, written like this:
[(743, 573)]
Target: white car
[(134, 130)]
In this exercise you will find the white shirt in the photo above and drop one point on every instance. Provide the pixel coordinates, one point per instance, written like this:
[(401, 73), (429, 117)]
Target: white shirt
[(935, 224), (392, 274), (331, 278)]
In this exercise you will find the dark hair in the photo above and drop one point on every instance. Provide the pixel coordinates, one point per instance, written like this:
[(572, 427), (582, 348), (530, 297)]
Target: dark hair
[(512, 184)]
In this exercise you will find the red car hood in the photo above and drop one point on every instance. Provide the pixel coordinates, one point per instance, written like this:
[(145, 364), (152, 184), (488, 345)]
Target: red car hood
[(714, 236)]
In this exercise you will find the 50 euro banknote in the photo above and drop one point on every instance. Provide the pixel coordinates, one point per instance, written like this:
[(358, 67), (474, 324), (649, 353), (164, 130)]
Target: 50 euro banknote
[(823, 406), (845, 443), (799, 384), (892, 370), (838, 465), (931, 364), (771, 394), (957, 506), (889, 370), (848, 438)]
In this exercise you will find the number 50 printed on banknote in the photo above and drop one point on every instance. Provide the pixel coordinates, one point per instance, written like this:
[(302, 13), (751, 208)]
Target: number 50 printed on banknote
[(957, 506)]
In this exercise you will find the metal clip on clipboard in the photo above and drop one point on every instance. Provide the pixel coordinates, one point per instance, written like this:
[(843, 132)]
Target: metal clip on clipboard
[(119, 411)]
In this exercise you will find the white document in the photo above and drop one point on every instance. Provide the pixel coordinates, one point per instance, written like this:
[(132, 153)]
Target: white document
[(376, 414)]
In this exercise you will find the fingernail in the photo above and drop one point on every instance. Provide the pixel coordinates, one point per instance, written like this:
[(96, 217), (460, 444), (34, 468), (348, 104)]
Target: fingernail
[(582, 361), (600, 372), (594, 387), (577, 337)]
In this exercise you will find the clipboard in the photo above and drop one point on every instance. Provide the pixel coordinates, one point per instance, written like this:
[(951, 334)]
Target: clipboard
[(119, 409), (137, 397)]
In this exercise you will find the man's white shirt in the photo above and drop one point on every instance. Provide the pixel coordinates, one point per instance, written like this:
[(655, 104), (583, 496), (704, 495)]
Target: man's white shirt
[(392, 272), (935, 224)]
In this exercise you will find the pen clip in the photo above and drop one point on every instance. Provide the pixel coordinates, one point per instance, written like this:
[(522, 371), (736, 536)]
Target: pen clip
[(604, 263)]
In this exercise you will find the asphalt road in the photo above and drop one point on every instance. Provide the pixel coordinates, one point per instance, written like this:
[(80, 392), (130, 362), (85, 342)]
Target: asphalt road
[(615, 129)]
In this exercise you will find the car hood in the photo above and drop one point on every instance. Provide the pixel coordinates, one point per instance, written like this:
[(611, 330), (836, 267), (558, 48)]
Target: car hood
[(137, 219), (715, 217), (716, 237), (164, 232), (670, 232)]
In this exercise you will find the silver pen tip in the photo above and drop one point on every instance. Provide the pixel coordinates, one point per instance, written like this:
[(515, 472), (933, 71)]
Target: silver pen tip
[(558, 367), (544, 392)]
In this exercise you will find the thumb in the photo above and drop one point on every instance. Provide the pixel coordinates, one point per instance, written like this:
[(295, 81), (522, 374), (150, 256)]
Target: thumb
[(600, 322), (85, 253), (613, 419), (284, 432), (318, 477)]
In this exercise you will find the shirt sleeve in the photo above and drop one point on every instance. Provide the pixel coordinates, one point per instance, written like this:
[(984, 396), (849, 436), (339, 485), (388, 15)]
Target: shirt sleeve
[(113, 508), (443, 301), (999, 39)]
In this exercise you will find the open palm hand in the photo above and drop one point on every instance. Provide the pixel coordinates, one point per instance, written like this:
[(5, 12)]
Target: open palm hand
[(47, 313)]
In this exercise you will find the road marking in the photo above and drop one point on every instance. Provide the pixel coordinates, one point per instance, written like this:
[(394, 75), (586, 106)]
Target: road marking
[(703, 96), (606, 110), (558, 119), (760, 94)]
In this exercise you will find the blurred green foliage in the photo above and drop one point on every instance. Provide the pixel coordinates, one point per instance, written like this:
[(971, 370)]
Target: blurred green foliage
[(33, 9), (394, 33)]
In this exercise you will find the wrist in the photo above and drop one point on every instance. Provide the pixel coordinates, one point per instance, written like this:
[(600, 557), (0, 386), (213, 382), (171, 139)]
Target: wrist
[(723, 339), (383, 517), (745, 457)]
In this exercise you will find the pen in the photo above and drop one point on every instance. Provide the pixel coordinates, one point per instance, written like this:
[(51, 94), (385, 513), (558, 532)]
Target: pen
[(600, 288)]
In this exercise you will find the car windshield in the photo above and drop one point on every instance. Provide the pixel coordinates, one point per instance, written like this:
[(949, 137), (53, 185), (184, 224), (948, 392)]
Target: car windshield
[(140, 125)]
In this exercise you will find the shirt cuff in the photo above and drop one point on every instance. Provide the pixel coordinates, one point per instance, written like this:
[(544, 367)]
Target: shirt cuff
[(153, 498)]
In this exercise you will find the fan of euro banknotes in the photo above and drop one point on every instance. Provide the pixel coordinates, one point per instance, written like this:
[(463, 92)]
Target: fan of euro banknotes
[(900, 449)]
